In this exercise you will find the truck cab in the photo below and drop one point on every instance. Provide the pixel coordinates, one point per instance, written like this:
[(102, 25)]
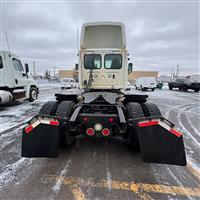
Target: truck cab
[(103, 57), (14, 80)]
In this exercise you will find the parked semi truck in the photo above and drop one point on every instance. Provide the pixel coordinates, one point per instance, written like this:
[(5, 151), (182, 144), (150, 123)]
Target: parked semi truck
[(14, 81), (103, 108)]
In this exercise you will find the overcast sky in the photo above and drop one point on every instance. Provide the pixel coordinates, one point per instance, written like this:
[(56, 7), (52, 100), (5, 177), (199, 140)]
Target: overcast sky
[(160, 35)]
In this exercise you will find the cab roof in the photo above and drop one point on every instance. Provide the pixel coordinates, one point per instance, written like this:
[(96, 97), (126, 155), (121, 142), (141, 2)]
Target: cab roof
[(96, 35)]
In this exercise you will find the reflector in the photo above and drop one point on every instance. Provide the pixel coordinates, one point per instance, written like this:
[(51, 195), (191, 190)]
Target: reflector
[(28, 129)]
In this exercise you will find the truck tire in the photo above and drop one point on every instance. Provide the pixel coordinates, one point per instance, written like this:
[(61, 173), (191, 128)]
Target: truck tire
[(152, 89), (151, 110), (142, 89), (49, 108), (185, 88), (196, 90), (170, 87), (134, 110), (33, 94), (65, 110)]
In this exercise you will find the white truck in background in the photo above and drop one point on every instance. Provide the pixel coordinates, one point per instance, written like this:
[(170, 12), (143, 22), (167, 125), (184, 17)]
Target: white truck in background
[(68, 83), (14, 81), (145, 83)]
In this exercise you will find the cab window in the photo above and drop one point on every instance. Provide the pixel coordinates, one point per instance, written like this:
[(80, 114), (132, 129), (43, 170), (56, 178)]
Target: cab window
[(113, 61), (17, 65), (92, 61), (1, 63)]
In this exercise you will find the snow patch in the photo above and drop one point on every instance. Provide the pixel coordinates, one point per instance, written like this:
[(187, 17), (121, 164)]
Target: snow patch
[(179, 182), (12, 171)]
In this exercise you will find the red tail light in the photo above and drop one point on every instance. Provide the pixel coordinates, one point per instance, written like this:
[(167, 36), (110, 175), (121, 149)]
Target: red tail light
[(85, 119), (111, 119), (105, 132), (90, 131)]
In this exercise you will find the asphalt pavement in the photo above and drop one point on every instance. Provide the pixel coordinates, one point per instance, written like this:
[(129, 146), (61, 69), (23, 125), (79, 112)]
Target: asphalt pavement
[(97, 168)]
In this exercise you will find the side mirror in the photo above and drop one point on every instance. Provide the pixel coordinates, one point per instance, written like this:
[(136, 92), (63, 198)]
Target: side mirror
[(26, 68), (130, 67), (76, 67)]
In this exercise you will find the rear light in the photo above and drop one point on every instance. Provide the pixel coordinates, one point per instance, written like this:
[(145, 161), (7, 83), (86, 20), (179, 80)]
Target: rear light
[(90, 131), (97, 127), (85, 119), (111, 119), (105, 132)]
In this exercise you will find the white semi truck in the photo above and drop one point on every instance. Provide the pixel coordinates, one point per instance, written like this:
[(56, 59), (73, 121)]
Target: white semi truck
[(103, 108), (14, 81)]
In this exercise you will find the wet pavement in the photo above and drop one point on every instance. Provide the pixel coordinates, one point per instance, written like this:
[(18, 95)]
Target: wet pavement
[(97, 168)]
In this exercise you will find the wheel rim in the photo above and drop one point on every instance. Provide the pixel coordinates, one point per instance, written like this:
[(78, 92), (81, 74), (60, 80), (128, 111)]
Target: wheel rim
[(34, 94)]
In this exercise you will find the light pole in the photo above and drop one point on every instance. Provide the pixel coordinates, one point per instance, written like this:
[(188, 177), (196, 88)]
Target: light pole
[(34, 69)]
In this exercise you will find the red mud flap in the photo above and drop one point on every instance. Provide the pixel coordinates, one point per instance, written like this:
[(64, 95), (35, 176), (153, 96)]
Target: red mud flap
[(160, 142), (41, 137)]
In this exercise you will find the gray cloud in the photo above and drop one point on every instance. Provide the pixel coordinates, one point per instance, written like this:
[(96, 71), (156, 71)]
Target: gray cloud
[(160, 35)]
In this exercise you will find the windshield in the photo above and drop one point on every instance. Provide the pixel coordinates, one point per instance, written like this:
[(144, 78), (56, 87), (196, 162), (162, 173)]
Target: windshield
[(17, 65), (65, 80), (92, 61), (113, 61)]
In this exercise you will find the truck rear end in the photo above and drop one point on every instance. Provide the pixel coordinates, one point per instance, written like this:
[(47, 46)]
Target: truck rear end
[(101, 108)]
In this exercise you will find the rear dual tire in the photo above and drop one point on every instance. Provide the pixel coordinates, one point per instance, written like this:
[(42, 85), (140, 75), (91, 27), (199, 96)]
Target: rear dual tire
[(49, 108), (62, 111), (136, 110), (151, 110)]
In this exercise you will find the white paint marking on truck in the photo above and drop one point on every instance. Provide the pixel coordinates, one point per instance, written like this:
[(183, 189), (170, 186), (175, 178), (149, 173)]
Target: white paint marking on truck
[(56, 188)]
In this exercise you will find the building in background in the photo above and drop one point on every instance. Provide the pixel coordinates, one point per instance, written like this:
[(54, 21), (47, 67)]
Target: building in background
[(68, 74)]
